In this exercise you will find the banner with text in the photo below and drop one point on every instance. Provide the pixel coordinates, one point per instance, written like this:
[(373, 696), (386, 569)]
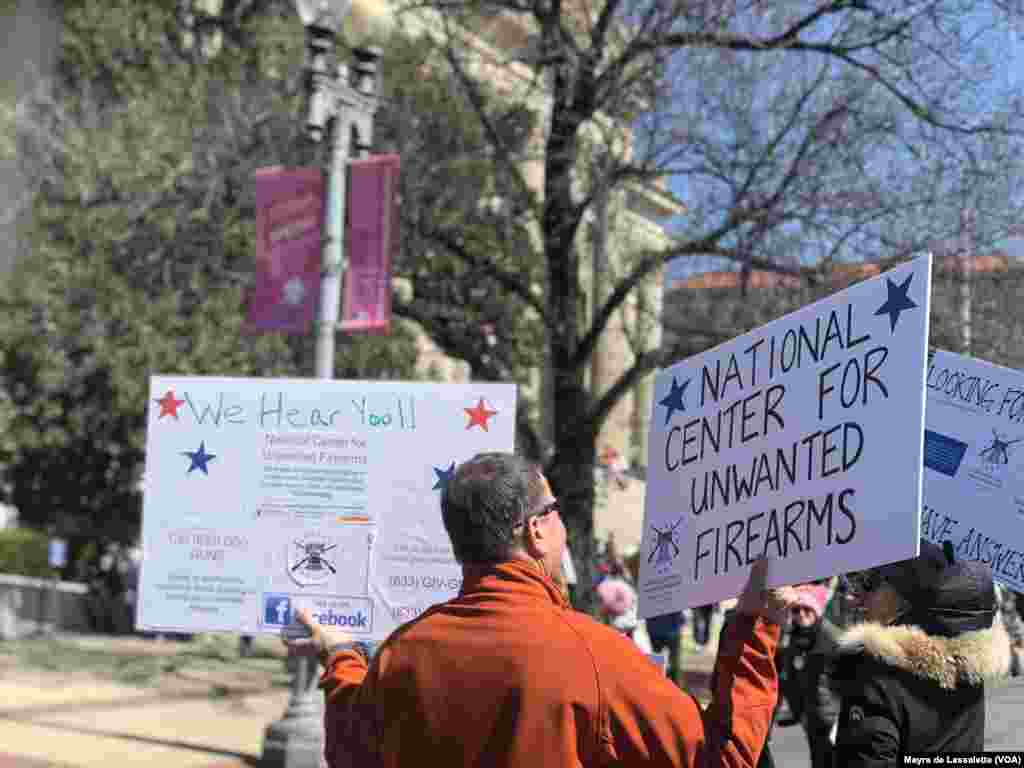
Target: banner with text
[(801, 440), (373, 236), (974, 463), (289, 231), (263, 496)]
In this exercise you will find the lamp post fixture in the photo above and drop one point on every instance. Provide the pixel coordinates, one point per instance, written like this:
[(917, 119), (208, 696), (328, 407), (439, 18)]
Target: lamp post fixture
[(341, 108), (341, 105)]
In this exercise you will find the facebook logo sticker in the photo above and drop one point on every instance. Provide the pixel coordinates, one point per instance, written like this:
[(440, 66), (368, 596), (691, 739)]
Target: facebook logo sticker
[(277, 610)]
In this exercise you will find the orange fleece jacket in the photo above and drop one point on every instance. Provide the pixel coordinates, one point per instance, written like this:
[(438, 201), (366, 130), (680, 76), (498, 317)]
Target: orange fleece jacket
[(508, 674)]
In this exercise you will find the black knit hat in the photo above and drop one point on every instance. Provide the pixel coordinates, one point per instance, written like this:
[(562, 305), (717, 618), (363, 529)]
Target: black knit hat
[(946, 597)]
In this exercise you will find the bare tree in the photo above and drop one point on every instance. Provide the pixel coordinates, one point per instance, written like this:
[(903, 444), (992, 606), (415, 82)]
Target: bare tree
[(798, 133)]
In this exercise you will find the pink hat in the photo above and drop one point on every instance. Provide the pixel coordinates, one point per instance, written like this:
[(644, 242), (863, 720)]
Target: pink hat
[(616, 596), (812, 596)]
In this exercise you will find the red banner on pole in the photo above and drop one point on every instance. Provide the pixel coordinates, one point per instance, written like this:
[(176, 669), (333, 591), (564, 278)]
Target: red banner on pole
[(371, 234), (289, 248)]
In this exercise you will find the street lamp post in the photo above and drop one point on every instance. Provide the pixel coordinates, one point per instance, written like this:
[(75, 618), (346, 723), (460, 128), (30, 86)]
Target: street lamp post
[(342, 104), (341, 108)]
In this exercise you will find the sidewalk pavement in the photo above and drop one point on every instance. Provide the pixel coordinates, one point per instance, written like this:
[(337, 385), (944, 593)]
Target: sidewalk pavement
[(202, 719)]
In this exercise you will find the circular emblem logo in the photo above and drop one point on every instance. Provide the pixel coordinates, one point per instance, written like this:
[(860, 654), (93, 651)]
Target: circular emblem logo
[(310, 560)]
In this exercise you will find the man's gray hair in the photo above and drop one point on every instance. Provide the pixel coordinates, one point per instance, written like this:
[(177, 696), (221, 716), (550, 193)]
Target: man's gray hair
[(486, 498)]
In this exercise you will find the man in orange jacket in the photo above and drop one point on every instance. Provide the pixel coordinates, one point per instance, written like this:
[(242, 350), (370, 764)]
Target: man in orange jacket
[(508, 674)]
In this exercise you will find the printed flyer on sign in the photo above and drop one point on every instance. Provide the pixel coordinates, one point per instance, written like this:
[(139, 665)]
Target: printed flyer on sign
[(263, 496), (801, 440), (974, 463)]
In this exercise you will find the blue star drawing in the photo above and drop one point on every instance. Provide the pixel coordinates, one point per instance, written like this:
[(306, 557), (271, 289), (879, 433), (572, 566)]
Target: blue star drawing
[(673, 401), (199, 459), (443, 477), (897, 302)]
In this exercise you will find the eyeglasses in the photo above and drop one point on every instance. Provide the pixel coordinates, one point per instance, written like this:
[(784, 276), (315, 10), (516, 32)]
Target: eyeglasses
[(546, 510), (864, 582)]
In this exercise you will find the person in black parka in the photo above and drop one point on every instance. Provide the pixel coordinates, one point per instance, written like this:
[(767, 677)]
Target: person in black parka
[(912, 677)]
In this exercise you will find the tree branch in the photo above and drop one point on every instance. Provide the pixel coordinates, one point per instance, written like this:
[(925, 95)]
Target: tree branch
[(479, 104), (776, 140), (645, 363), (598, 36), (454, 346), (651, 262), (842, 53), (511, 282)]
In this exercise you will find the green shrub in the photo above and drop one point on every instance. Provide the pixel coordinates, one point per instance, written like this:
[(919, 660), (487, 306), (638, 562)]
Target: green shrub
[(24, 552)]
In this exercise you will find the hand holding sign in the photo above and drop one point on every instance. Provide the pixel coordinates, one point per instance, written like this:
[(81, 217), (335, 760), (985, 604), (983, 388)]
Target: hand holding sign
[(320, 640), (773, 605)]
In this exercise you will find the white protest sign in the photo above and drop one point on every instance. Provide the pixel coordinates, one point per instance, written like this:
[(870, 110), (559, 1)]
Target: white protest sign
[(801, 440), (974, 463), (263, 497)]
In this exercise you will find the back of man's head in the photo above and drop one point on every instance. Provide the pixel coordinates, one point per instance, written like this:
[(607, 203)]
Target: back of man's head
[(486, 498)]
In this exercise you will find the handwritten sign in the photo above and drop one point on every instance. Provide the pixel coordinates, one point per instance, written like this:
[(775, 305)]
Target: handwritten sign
[(801, 440), (262, 497), (974, 463)]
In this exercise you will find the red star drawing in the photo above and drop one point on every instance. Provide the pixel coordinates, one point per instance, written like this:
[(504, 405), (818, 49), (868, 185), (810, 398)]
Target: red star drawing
[(479, 415), (169, 405)]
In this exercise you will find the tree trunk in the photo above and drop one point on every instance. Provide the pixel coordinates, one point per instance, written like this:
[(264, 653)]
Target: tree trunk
[(573, 481), (571, 472)]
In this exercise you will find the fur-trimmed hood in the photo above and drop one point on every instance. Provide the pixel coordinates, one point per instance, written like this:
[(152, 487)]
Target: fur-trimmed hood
[(969, 659)]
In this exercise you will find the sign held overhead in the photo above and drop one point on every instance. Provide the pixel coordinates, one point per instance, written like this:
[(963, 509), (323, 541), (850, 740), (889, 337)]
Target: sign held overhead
[(801, 440)]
